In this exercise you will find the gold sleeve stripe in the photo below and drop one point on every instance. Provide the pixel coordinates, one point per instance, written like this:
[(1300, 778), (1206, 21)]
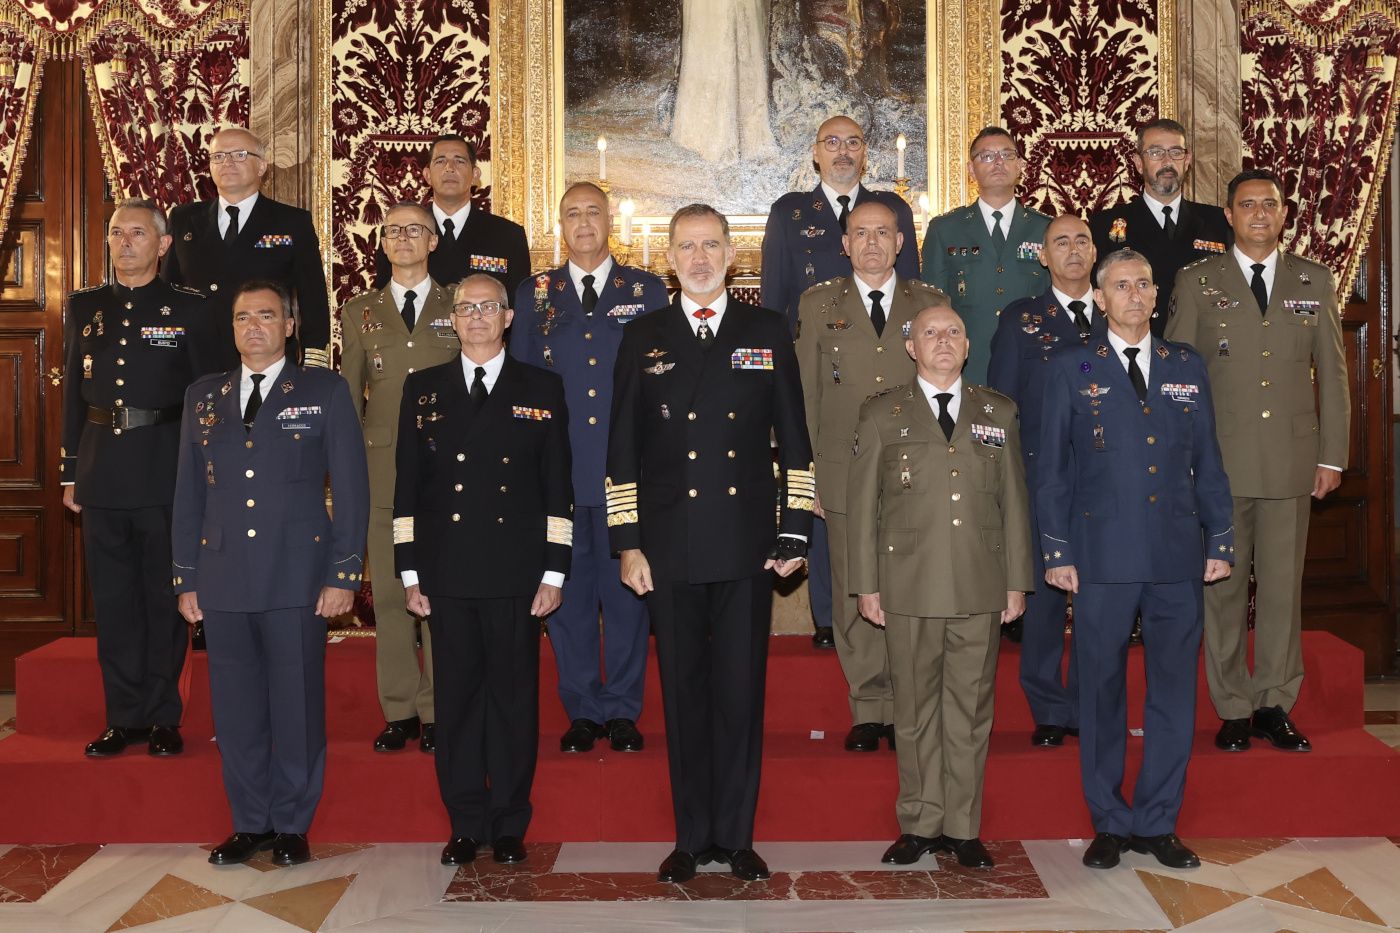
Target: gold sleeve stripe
[(628, 517), (559, 531), (403, 530), (801, 503), (315, 356)]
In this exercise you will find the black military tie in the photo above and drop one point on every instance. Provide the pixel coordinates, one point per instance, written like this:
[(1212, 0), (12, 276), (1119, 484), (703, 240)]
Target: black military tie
[(231, 233), (998, 235), (1256, 285), (409, 312), (945, 420), (254, 401), (845, 200), (703, 332), (1168, 224), (447, 230), (1135, 374), (1081, 321), (590, 296), (478, 389), (877, 313)]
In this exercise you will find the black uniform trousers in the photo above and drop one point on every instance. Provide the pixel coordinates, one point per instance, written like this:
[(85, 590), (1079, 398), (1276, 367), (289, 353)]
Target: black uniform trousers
[(141, 638), (712, 653), (486, 676), (267, 679)]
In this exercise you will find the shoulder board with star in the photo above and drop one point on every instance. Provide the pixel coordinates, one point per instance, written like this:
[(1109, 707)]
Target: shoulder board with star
[(1198, 262), (1309, 264), (985, 393), (1032, 212), (91, 288)]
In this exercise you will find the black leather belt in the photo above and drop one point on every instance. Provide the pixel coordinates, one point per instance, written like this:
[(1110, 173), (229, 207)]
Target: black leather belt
[(124, 418)]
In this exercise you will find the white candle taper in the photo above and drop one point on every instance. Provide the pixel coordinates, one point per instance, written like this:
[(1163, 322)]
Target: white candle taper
[(602, 158), (899, 145), (556, 245), (627, 208), (646, 246)]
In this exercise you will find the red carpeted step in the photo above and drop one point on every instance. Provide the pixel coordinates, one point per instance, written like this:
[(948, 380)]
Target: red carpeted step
[(59, 691), (811, 790)]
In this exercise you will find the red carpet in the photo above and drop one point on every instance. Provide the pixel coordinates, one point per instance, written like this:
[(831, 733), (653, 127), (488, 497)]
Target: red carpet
[(812, 789)]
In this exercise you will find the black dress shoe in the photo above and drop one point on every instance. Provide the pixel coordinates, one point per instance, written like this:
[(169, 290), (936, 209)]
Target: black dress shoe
[(459, 850), (581, 736), (165, 741), (508, 850), (1233, 735), (744, 864), (113, 741), (290, 849), (1105, 850), (823, 637), (1046, 736), (679, 866), (909, 848), (1167, 849), (197, 637), (1013, 631), (427, 742), (1273, 724), (889, 734), (623, 735), (970, 853), (865, 737), (239, 847), (396, 734)]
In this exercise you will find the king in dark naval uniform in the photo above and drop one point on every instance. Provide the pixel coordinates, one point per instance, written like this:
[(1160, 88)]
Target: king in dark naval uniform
[(701, 514), (132, 348)]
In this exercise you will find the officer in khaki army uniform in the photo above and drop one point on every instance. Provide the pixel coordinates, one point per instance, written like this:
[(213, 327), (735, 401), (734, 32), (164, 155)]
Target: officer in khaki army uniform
[(132, 347), (987, 254), (939, 552), (850, 345), (1264, 320), (387, 334)]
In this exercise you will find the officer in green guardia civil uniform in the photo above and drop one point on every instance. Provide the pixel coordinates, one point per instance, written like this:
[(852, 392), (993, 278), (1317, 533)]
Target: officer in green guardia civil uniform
[(987, 254), (388, 333)]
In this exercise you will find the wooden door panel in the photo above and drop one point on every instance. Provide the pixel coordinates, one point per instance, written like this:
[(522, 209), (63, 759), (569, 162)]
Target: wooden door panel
[(22, 459)]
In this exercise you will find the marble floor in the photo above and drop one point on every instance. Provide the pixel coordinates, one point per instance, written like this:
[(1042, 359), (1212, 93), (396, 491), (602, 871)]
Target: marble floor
[(1244, 886)]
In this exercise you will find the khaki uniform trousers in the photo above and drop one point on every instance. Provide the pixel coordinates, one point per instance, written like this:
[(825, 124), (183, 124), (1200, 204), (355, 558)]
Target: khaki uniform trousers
[(405, 683), (860, 646)]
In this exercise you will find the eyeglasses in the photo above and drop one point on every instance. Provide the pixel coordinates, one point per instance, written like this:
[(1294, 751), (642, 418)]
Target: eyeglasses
[(484, 309), (987, 157), (236, 155), (850, 143), (412, 231), (1158, 153)]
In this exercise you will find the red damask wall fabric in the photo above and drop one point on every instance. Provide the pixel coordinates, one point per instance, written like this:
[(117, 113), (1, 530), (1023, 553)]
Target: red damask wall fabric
[(404, 73), (1318, 106)]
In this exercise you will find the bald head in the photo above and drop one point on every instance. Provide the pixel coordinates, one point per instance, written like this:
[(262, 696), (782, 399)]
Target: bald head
[(237, 160), (839, 153), (938, 342), (872, 240)]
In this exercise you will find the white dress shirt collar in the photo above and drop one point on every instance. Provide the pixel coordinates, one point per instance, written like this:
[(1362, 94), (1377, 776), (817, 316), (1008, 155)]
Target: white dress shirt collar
[(492, 367), (690, 306), (245, 208), (1155, 206), (1087, 298), (1246, 267), (245, 383), (832, 194), (1007, 212), (420, 295), (458, 218), (954, 403), (1144, 357), (886, 291), (600, 276)]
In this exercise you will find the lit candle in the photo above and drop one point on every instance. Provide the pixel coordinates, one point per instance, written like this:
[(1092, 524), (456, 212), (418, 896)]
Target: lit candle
[(627, 208), (646, 246), (602, 158), (556, 246), (899, 145), (923, 209)]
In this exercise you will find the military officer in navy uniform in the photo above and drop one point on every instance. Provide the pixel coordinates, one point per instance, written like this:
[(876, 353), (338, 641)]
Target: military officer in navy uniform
[(571, 320), (1160, 223), (1135, 515), (1028, 332), (802, 247), (258, 559), (470, 238), (986, 255), (132, 348), (241, 235), (483, 529), (700, 520)]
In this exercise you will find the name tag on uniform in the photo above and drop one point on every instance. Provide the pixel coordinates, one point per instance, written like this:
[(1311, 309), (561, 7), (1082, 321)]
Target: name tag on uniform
[(273, 240), (745, 358), (1302, 306), (1181, 391), (531, 414), (627, 310), (488, 263), (989, 435), (1208, 246), (162, 336)]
